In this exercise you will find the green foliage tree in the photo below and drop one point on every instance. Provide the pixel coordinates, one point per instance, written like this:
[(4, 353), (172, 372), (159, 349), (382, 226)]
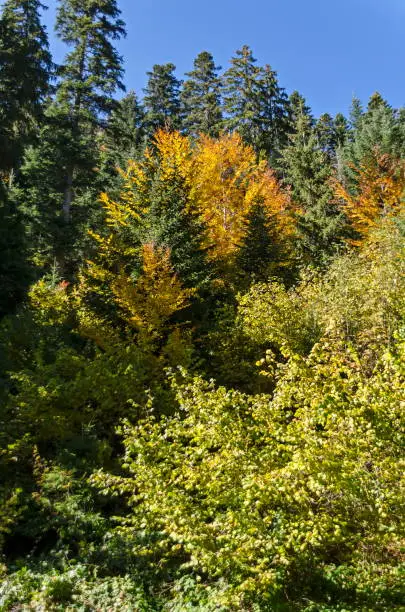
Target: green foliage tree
[(124, 131), (162, 99), (307, 169), (255, 104), (201, 97), (25, 73)]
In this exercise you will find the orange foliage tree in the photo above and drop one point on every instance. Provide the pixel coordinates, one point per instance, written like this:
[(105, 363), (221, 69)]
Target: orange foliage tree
[(227, 182), (380, 189)]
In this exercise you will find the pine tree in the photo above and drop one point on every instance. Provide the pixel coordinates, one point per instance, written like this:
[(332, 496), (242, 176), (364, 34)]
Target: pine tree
[(201, 97), (298, 106), (255, 103), (261, 253), (25, 74), (162, 99), (124, 131), (241, 96), (91, 72), (14, 270), (308, 172)]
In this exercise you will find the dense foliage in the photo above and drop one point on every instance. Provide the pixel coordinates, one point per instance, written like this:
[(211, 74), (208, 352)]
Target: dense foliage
[(202, 334)]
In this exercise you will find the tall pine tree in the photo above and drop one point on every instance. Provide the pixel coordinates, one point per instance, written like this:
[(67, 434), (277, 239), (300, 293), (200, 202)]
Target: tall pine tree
[(308, 171), (201, 97), (25, 73), (162, 99)]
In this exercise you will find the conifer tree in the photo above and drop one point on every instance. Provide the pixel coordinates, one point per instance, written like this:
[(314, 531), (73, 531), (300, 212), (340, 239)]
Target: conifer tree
[(255, 103), (241, 93), (124, 131), (25, 74), (308, 172), (378, 131), (92, 70), (298, 106), (201, 97), (261, 253), (14, 270), (162, 99)]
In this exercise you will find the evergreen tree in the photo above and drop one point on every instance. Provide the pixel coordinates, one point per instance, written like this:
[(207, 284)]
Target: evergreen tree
[(241, 96), (261, 253), (124, 132), (92, 71), (308, 170), (201, 97), (162, 99), (332, 133), (60, 177), (171, 223), (14, 271), (255, 103), (25, 73), (375, 132), (298, 106), (356, 113)]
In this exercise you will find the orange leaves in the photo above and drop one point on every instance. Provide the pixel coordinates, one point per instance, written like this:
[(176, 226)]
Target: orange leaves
[(227, 182), (381, 184)]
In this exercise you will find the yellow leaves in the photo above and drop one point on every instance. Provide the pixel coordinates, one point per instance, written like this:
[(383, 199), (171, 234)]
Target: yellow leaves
[(51, 302), (157, 294), (174, 153), (227, 182), (381, 184)]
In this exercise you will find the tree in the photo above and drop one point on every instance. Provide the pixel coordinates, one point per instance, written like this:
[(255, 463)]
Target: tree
[(228, 181), (25, 74), (124, 131), (201, 97), (308, 171), (298, 106), (241, 95), (380, 185), (255, 103), (91, 73), (162, 99), (262, 252), (15, 272)]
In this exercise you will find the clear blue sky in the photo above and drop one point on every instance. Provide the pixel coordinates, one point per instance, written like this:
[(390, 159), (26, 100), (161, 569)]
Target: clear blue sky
[(329, 50)]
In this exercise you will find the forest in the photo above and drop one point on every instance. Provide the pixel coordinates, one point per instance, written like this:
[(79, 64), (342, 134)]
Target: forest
[(202, 334)]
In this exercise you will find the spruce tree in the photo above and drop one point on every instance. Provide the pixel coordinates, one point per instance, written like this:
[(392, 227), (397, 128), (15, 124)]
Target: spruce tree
[(375, 132), (25, 74), (92, 71), (261, 252), (298, 106), (241, 96), (201, 97), (171, 223), (307, 170), (162, 99), (255, 103), (60, 177), (124, 132)]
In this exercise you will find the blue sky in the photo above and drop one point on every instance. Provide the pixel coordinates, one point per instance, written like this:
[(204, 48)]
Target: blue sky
[(329, 50)]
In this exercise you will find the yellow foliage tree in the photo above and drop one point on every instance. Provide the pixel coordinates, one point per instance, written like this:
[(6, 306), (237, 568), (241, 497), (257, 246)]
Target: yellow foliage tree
[(157, 294), (381, 185), (227, 181)]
